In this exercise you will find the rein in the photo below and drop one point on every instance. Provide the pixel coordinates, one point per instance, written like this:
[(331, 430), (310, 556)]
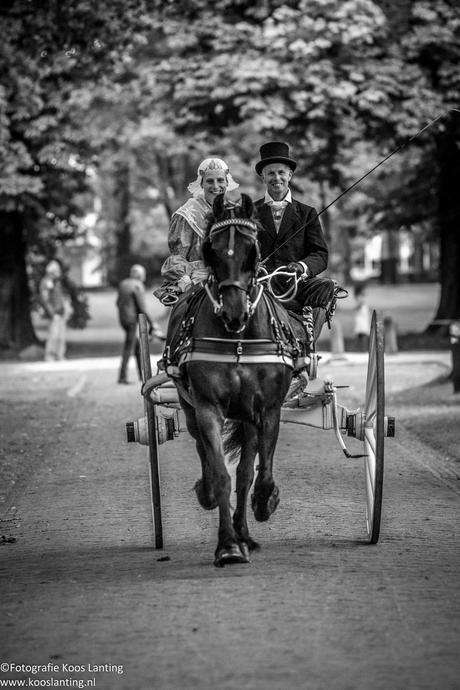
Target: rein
[(218, 306), (280, 272)]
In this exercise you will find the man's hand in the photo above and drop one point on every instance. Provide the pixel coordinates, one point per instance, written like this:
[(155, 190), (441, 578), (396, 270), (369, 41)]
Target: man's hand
[(297, 268)]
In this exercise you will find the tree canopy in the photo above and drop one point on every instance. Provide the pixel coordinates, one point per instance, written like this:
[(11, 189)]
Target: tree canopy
[(342, 82), (48, 49), (139, 91)]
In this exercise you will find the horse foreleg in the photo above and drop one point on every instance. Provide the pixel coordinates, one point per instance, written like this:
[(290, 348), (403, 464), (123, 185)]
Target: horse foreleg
[(265, 498), (244, 477), (203, 486), (218, 483)]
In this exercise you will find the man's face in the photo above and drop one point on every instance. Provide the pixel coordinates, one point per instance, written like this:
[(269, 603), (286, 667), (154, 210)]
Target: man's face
[(276, 177), (214, 182)]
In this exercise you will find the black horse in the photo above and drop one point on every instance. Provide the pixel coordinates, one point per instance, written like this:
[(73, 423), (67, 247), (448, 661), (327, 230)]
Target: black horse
[(232, 352)]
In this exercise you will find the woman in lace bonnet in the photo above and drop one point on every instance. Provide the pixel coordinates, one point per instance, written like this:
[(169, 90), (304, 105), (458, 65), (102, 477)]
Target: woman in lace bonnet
[(184, 267)]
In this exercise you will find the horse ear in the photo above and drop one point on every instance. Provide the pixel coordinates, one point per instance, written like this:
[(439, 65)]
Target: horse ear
[(218, 205), (247, 205)]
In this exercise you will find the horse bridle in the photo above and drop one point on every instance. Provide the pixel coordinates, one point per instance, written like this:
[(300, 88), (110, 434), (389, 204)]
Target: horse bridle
[(247, 228)]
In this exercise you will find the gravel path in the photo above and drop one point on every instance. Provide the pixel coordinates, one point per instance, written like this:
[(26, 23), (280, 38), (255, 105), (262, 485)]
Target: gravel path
[(86, 596)]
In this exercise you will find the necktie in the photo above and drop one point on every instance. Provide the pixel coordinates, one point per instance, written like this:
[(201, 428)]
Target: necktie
[(277, 207)]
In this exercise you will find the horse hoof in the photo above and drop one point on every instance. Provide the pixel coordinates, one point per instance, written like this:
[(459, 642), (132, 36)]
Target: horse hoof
[(262, 511), (245, 550), (230, 554)]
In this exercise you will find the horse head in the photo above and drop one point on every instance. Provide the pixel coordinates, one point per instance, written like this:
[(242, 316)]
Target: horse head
[(230, 251)]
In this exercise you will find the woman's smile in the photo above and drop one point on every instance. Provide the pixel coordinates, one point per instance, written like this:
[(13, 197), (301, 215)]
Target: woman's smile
[(214, 182)]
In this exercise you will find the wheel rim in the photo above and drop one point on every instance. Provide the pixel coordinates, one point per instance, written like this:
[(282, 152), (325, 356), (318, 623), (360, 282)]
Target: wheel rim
[(374, 415), (150, 413)]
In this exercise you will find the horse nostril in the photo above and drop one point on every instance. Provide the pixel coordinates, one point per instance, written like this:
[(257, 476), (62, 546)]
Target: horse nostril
[(236, 324)]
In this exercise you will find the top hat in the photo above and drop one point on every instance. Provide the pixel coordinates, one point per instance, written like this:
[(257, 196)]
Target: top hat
[(274, 152)]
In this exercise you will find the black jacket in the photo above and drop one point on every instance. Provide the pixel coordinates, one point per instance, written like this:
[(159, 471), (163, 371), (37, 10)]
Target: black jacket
[(305, 244)]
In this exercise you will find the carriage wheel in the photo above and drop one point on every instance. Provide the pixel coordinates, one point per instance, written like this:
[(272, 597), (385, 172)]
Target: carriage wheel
[(150, 414), (374, 429)]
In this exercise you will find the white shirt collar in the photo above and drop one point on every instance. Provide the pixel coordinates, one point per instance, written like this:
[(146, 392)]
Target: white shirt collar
[(287, 198)]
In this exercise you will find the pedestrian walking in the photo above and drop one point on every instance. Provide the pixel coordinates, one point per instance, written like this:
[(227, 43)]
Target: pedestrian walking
[(56, 305), (131, 302)]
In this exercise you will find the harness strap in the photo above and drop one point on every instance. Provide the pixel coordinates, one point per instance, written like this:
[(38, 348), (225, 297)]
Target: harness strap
[(236, 348), (277, 312), (283, 347), (272, 358)]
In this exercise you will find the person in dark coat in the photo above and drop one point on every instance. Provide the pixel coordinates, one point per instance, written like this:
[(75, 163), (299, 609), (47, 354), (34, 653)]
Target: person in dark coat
[(131, 302), (292, 235)]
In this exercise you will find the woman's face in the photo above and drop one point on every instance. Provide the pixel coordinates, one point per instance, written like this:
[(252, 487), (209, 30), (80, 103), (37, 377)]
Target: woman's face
[(214, 182)]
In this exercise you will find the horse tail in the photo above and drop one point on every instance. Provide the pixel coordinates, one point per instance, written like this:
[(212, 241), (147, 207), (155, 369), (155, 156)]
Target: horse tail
[(233, 439)]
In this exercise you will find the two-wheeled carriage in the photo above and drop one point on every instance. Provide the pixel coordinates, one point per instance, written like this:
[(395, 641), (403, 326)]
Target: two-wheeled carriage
[(163, 421), (230, 386)]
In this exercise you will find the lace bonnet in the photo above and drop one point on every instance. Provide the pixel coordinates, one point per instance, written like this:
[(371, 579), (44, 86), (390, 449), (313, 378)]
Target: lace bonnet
[(195, 188)]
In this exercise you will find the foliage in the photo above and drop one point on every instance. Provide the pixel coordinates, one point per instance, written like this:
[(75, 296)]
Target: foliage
[(156, 85), (47, 50), (326, 76)]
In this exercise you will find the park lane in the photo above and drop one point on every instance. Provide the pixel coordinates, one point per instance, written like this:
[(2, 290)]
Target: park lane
[(317, 607)]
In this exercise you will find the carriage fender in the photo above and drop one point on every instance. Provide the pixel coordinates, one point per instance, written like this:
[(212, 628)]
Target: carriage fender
[(153, 382)]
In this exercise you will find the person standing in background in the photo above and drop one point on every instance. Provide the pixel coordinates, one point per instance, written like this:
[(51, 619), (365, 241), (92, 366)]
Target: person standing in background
[(55, 303), (362, 320), (131, 302)]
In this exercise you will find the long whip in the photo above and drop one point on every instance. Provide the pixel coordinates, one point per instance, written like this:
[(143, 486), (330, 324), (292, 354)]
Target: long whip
[(449, 110)]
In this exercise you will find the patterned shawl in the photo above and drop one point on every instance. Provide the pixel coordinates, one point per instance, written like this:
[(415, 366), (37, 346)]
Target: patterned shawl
[(195, 212)]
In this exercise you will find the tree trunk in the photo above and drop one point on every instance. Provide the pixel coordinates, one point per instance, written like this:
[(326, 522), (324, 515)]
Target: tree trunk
[(16, 329), (123, 258), (389, 274), (448, 154)]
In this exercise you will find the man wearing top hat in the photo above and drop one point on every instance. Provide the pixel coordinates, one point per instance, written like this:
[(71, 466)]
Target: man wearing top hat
[(292, 234)]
